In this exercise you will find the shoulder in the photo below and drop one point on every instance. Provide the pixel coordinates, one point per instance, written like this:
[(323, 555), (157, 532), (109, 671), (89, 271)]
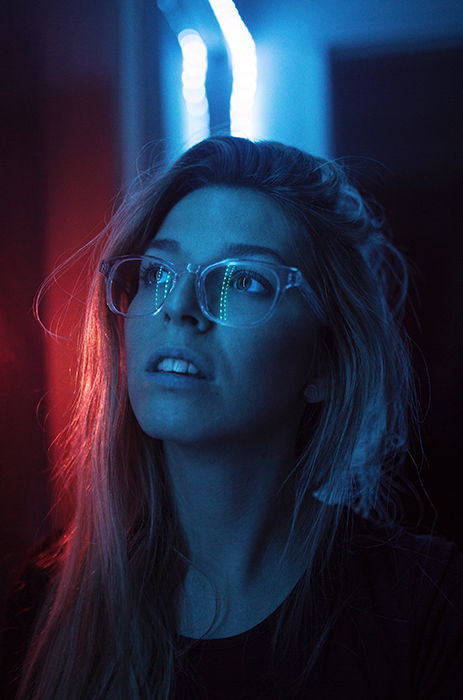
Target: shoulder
[(32, 575), (25, 596), (424, 558), (36, 568), (406, 590), (427, 568)]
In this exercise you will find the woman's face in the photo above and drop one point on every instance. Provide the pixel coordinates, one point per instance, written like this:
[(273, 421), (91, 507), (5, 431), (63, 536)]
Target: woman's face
[(258, 374)]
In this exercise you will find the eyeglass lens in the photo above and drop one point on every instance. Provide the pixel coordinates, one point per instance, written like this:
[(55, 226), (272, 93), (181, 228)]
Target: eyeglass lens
[(239, 293)]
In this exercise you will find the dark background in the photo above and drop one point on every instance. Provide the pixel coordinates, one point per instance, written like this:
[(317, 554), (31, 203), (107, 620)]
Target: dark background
[(405, 109), (395, 114)]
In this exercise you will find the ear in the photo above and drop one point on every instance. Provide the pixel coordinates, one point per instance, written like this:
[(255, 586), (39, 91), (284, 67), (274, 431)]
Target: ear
[(314, 393)]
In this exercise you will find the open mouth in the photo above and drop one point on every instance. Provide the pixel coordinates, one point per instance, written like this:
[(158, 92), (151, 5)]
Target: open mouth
[(177, 379), (179, 374), (176, 363), (170, 365)]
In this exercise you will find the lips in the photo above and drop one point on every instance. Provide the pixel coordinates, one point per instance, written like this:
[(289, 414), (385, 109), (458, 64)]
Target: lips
[(203, 365)]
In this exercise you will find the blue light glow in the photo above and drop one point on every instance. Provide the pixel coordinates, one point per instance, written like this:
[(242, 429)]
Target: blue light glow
[(244, 66), (194, 54)]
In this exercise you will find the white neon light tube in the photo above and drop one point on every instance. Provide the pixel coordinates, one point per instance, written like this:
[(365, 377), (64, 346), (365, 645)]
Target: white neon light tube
[(244, 66), (194, 55)]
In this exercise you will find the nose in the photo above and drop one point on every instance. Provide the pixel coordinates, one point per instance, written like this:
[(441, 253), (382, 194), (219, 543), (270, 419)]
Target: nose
[(182, 305)]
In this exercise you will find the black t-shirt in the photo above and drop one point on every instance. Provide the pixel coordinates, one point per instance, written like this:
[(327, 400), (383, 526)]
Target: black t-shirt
[(399, 635)]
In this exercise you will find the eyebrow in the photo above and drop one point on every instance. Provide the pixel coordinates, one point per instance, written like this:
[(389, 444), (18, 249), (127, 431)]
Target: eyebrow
[(172, 246)]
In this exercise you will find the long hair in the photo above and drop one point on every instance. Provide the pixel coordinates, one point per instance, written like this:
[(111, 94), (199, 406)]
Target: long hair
[(107, 628)]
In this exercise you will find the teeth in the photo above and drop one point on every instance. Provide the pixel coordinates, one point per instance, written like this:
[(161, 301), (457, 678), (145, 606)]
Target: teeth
[(170, 364)]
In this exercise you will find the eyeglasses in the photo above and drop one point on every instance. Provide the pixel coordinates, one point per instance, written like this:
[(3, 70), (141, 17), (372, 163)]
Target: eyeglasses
[(231, 292)]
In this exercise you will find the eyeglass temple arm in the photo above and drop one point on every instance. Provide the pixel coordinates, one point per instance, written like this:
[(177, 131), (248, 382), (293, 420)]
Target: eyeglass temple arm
[(297, 280)]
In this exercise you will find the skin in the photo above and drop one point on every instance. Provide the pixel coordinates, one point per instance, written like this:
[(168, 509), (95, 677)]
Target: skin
[(228, 444)]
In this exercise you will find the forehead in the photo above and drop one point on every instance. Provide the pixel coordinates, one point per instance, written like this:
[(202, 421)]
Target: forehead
[(208, 220)]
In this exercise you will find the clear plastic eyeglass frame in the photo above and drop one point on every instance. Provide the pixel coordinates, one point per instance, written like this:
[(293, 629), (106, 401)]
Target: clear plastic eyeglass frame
[(285, 277)]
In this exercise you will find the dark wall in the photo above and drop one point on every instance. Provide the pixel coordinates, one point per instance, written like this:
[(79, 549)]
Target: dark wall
[(60, 173), (404, 108), (67, 145), (24, 495)]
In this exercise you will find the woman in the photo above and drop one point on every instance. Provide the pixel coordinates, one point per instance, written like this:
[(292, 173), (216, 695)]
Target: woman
[(242, 409)]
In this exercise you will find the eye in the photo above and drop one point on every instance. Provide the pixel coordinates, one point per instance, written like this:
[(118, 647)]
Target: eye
[(250, 281), (152, 274)]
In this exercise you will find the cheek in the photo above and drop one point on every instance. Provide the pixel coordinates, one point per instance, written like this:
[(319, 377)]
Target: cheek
[(129, 344), (135, 344), (283, 355)]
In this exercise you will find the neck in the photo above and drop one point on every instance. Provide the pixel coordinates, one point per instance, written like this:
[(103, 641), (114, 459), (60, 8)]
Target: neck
[(227, 496)]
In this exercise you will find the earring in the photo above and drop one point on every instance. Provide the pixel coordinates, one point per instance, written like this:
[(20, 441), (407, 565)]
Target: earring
[(312, 394)]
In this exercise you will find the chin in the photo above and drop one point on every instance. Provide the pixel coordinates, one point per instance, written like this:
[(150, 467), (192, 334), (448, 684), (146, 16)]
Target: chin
[(174, 431)]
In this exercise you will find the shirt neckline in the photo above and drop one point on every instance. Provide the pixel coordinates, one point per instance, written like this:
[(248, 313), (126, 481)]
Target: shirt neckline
[(261, 628)]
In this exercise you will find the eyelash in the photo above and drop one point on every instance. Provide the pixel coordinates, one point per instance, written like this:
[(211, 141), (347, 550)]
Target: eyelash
[(144, 272), (252, 275)]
